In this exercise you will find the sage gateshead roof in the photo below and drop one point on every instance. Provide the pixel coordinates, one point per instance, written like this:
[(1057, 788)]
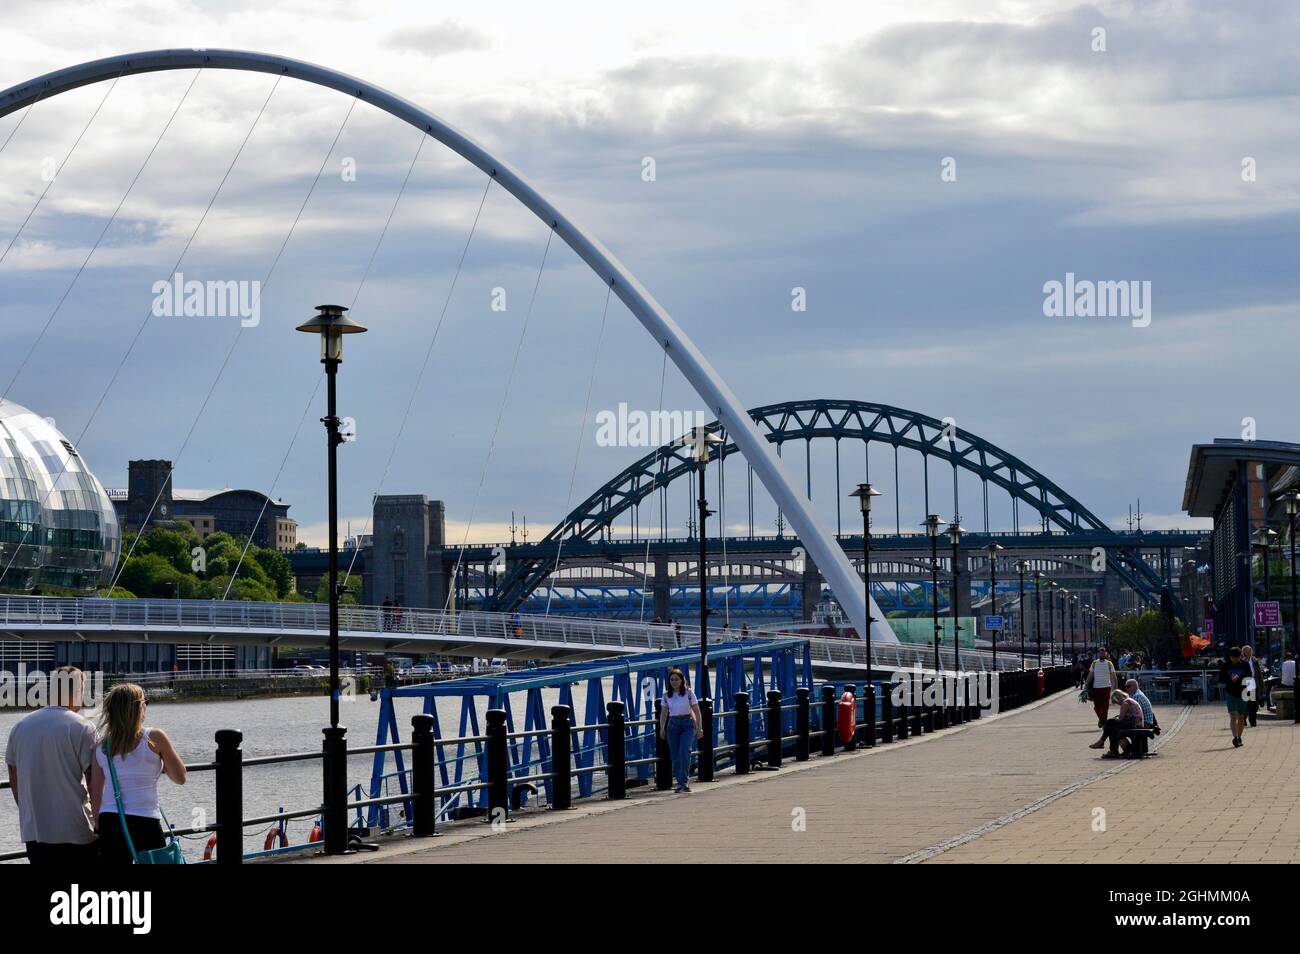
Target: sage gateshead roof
[(57, 525)]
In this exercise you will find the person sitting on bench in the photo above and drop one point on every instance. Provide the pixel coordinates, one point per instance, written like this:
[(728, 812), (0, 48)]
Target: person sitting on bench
[(1148, 711), (1130, 717)]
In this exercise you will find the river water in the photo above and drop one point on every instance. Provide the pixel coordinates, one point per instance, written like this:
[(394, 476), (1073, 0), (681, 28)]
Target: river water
[(271, 726)]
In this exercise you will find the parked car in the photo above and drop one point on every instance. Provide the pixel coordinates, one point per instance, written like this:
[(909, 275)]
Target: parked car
[(420, 670)]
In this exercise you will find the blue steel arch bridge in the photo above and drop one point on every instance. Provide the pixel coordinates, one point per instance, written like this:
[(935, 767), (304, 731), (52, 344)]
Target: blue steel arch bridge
[(585, 564)]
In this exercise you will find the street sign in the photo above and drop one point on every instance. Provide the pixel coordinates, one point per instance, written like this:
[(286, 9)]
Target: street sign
[(1268, 613), (992, 622)]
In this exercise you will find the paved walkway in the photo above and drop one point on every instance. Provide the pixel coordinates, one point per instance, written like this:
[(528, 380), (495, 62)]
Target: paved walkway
[(1021, 787)]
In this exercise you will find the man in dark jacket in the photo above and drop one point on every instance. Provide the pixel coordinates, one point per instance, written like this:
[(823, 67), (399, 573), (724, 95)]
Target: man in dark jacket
[(1256, 673), (1233, 675)]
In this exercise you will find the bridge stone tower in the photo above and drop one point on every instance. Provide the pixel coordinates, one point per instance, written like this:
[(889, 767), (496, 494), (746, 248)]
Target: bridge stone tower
[(404, 562)]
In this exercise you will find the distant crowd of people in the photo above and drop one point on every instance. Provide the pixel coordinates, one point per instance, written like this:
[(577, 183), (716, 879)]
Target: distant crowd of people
[(1243, 678), (87, 793)]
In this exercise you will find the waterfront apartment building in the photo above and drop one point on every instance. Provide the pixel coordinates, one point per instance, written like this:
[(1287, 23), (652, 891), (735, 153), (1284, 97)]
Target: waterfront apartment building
[(149, 498)]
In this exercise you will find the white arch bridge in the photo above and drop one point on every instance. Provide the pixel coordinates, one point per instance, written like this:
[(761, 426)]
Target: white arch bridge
[(695, 367)]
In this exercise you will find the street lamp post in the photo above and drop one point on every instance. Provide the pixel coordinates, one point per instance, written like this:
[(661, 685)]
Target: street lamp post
[(1292, 501), (993, 549), (1021, 567), (332, 324), (1264, 538), (931, 525), (1052, 587), (1074, 605), (864, 493), (703, 442), (1038, 613), (955, 530)]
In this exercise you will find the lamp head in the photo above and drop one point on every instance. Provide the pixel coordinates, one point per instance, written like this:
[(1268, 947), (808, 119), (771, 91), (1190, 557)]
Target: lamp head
[(993, 549), (331, 324), (955, 530), (864, 493), (1291, 501), (931, 524), (700, 441)]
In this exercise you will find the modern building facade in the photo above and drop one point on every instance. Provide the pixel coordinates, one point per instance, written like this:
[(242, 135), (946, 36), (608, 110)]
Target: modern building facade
[(149, 499), (1238, 484), (58, 528)]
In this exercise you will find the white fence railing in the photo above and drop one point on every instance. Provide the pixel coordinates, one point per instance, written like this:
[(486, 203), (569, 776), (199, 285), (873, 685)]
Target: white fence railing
[(37, 615)]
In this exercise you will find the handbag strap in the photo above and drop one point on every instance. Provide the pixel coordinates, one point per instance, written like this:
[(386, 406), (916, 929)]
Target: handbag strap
[(117, 796)]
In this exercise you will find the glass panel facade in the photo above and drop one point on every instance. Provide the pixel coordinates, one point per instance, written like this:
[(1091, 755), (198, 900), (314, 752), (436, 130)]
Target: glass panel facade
[(57, 525)]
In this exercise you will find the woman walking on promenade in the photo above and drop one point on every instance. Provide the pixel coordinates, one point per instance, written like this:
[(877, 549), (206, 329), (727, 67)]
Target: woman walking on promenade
[(140, 755), (1102, 681), (679, 723)]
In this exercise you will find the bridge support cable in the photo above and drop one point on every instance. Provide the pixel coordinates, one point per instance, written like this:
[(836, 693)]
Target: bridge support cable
[(424, 366), (140, 331), (659, 499), (19, 125), (297, 431), (501, 411), (59, 170), (582, 435), (239, 333), (100, 238)]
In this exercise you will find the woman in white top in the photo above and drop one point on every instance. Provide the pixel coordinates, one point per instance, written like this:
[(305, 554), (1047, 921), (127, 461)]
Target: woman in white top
[(1102, 681), (140, 756), (679, 724)]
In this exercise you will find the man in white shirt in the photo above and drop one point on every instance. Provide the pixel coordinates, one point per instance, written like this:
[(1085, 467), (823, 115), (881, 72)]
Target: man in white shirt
[(1288, 671), (48, 756)]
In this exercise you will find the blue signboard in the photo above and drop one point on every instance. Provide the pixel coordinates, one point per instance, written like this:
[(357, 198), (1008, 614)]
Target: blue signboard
[(992, 622)]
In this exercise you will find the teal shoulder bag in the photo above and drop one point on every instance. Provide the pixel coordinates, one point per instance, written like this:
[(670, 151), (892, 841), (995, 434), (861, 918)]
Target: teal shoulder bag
[(170, 854)]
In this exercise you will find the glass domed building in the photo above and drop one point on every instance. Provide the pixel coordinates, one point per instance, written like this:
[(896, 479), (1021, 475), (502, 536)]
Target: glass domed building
[(58, 527)]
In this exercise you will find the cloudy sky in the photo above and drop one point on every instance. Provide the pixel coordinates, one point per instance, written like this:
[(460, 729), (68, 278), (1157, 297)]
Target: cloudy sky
[(920, 169)]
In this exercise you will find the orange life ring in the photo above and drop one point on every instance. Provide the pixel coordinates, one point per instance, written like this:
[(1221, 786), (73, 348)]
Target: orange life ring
[(847, 717), (210, 849), (274, 835), (315, 832)]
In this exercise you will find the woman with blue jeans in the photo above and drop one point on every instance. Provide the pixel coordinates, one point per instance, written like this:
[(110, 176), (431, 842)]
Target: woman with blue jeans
[(679, 724)]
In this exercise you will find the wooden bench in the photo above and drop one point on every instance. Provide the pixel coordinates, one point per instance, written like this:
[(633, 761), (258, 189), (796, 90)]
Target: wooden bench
[(1133, 742)]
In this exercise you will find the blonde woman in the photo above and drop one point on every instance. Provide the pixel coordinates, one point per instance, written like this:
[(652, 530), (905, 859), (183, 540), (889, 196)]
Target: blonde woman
[(141, 755), (1130, 717)]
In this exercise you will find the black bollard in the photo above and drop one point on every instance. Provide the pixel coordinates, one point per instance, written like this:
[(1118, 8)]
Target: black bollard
[(869, 713), (704, 748), (423, 809), (828, 720), (616, 752), (335, 803), (561, 760), (931, 718), (852, 741), (919, 708), (230, 797), (802, 741), (498, 786), (742, 733), (774, 731), (886, 712), (663, 758)]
